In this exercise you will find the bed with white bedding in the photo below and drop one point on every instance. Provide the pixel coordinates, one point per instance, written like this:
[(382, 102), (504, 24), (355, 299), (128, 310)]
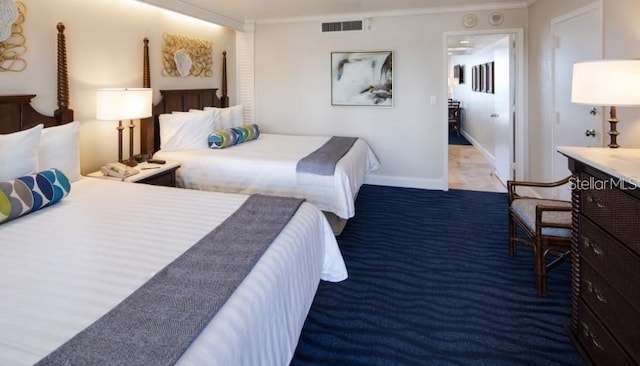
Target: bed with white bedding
[(65, 260), (267, 165), (64, 266)]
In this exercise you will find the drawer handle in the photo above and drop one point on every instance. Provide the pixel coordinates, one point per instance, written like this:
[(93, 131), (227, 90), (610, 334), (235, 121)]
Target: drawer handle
[(595, 200), (587, 333), (590, 245), (595, 291)]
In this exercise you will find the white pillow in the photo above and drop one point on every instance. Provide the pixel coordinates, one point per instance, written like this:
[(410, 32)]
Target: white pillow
[(217, 119), (232, 116), (60, 149), (19, 153), (185, 130)]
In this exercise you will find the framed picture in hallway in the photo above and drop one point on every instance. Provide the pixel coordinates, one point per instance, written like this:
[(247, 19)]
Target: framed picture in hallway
[(488, 76), (475, 81), (362, 78)]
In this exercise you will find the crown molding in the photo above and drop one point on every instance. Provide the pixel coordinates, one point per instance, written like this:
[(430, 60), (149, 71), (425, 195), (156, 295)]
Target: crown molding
[(518, 4), (207, 15)]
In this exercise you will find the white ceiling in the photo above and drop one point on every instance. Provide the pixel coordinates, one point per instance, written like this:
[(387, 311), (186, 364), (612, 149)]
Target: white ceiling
[(235, 13), (468, 44)]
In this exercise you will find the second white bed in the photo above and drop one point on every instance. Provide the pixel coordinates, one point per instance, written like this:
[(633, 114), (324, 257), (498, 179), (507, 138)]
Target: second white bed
[(267, 165)]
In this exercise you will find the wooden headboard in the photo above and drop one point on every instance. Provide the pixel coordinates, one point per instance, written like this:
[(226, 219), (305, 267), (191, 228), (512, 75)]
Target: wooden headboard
[(16, 112), (176, 100)]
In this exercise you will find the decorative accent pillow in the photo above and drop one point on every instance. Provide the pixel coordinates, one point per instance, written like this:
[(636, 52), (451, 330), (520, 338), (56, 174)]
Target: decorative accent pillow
[(232, 136), (23, 195), (19, 153), (59, 148), (185, 130)]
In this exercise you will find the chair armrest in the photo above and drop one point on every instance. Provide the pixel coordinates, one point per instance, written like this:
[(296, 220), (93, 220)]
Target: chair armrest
[(513, 184)]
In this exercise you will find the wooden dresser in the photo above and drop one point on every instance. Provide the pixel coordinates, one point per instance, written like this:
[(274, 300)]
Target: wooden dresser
[(605, 275)]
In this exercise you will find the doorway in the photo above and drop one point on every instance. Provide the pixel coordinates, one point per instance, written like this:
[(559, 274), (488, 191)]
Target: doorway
[(577, 37), (502, 144)]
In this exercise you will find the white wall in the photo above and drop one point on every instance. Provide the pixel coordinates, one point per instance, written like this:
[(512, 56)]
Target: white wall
[(104, 49), (293, 80), (621, 34)]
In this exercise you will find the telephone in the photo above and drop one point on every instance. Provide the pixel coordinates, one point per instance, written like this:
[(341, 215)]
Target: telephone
[(118, 170)]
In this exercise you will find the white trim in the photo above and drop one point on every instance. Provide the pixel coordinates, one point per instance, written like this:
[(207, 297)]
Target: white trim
[(521, 119), (519, 4), (198, 12), (405, 182), (487, 155), (594, 6)]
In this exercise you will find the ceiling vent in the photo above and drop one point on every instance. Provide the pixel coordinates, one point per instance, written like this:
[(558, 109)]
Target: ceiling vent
[(351, 25)]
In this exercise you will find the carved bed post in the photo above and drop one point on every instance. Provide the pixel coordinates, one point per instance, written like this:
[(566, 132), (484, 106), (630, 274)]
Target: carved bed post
[(147, 125), (63, 112), (224, 99), (146, 74)]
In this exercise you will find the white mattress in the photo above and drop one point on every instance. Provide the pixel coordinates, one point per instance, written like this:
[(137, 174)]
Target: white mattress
[(268, 165), (64, 266)]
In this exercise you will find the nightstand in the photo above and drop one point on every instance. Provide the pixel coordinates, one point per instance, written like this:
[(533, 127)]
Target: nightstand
[(155, 174)]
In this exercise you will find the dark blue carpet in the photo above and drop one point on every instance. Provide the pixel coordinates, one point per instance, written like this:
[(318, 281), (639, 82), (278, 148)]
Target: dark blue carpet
[(454, 139), (431, 283)]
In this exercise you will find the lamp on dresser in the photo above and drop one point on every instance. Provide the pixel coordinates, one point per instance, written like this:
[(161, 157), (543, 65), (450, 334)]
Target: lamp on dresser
[(607, 83), (116, 104)]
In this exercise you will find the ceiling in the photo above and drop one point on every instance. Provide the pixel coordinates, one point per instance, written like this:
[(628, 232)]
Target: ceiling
[(468, 44), (236, 13)]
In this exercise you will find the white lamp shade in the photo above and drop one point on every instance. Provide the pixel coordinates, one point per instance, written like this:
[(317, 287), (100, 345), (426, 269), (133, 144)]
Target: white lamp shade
[(123, 103), (606, 83)]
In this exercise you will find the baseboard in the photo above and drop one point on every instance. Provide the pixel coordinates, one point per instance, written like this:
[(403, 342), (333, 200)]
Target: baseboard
[(480, 148), (405, 182)]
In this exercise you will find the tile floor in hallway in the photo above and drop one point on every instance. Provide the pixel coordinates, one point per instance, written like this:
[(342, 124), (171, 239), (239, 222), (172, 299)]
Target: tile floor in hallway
[(469, 169)]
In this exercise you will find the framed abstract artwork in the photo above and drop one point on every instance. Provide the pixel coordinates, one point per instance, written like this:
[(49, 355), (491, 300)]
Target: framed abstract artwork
[(362, 78)]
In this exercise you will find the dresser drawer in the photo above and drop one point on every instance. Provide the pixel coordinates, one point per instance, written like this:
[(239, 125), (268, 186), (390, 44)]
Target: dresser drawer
[(612, 260), (597, 342), (611, 309), (615, 211)]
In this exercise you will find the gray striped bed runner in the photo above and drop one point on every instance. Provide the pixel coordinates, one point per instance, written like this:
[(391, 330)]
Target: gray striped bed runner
[(157, 323), (323, 160)]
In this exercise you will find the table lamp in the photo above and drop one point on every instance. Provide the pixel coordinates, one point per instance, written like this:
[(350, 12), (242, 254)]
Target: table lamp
[(607, 83), (116, 104)]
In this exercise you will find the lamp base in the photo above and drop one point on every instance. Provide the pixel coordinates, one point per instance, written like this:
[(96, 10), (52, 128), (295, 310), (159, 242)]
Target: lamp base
[(613, 132)]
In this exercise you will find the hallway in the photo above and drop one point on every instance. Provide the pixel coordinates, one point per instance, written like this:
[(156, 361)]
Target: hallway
[(469, 170)]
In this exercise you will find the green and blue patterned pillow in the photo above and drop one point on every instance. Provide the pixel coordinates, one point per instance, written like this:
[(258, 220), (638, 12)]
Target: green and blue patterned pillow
[(30, 193), (220, 139)]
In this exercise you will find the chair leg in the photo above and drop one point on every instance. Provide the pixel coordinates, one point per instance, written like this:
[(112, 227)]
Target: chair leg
[(540, 268), (512, 235)]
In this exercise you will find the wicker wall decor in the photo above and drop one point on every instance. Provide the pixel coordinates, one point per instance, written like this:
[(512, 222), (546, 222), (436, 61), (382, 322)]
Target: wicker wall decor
[(13, 48), (182, 56)]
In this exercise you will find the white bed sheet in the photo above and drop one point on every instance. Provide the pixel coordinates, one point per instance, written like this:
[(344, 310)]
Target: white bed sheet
[(64, 266), (267, 165)]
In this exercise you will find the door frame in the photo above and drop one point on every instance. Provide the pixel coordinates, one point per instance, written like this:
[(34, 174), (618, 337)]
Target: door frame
[(520, 112), (597, 6)]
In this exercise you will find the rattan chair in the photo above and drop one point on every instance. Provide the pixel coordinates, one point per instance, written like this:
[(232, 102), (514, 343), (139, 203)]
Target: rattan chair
[(547, 225)]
